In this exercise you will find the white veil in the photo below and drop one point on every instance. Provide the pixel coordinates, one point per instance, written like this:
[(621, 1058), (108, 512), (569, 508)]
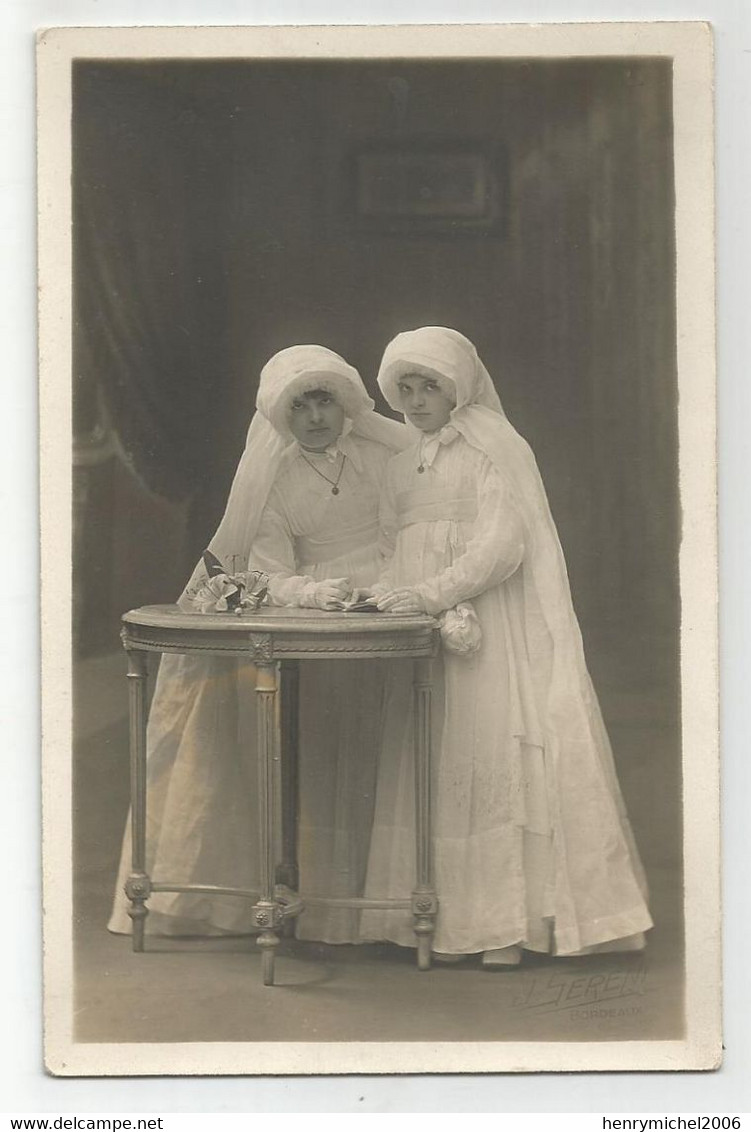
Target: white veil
[(575, 737)]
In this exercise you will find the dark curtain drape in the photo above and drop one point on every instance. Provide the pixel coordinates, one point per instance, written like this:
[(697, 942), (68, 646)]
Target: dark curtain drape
[(149, 269)]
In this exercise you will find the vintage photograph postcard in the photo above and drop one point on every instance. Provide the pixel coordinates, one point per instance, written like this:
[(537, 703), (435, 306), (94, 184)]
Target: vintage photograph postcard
[(380, 716)]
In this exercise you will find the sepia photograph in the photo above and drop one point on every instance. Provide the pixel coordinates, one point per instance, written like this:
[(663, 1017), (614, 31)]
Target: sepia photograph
[(378, 476)]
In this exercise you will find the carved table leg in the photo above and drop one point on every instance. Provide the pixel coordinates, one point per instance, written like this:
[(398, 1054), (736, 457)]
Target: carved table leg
[(424, 901), (267, 912), (287, 872), (138, 884)]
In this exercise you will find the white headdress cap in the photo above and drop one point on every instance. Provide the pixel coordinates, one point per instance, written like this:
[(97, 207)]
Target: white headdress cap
[(442, 353), (301, 369)]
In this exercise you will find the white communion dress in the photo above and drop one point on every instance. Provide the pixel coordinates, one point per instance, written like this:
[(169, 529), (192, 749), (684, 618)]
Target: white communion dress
[(456, 535), (202, 798)]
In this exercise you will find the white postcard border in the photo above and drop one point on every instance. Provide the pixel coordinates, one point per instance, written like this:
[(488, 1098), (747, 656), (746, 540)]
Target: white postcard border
[(690, 46)]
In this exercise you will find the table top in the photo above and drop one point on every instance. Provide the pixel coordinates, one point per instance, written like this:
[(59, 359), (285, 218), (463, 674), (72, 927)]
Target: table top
[(274, 633), (275, 619)]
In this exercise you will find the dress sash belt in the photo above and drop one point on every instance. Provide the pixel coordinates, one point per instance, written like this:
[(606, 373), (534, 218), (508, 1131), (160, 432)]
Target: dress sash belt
[(311, 552), (430, 505)]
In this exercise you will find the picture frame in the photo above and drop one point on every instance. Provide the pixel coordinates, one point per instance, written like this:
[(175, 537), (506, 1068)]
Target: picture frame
[(418, 187)]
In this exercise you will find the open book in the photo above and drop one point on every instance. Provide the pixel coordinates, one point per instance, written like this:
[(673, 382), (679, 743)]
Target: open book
[(367, 605)]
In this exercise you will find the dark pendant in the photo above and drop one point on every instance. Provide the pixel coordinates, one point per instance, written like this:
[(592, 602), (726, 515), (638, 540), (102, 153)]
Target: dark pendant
[(335, 490), (421, 469)]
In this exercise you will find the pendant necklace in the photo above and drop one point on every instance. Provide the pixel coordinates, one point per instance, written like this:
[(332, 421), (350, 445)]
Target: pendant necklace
[(334, 483)]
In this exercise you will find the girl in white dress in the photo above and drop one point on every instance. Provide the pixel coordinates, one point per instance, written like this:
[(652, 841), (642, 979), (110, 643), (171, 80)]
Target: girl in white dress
[(531, 843), (318, 541), (304, 508)]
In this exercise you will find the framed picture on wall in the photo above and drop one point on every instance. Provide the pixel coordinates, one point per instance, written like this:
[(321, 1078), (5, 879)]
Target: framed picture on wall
[(422, 187)]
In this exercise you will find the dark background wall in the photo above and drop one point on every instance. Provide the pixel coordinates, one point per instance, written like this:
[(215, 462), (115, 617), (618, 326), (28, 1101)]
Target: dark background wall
[(212, 229)]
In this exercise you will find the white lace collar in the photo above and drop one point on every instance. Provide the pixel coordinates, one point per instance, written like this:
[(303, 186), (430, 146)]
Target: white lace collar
[(431, 442)]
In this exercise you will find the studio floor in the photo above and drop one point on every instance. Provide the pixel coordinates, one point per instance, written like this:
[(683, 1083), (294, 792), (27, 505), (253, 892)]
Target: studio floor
[(210, 990)]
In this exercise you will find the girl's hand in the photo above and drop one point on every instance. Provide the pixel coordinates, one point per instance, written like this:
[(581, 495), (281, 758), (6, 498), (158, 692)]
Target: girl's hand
[(403, 600), (361, 593), (330, 593)]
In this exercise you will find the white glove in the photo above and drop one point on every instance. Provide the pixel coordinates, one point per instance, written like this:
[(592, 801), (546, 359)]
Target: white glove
[(404, 600), (328, 594)]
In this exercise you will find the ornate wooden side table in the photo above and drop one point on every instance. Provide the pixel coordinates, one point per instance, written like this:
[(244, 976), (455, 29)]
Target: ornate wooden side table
[(268, 638)]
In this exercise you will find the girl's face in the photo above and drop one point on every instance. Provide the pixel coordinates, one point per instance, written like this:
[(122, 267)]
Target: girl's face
[(424, 403), (316, 419)]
